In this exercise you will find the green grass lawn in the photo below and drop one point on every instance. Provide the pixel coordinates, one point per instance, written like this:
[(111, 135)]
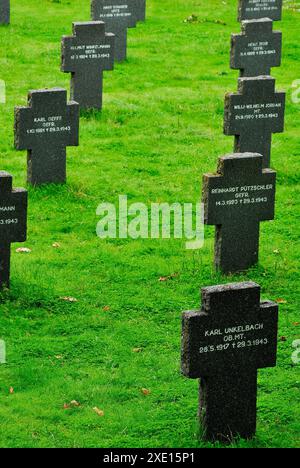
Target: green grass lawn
[(159, 131)]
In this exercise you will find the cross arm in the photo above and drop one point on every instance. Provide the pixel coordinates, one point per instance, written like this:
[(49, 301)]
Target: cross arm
[(66, 63), (210, 182), (73, 113), (191, 325), (13, 216), (22, 114)]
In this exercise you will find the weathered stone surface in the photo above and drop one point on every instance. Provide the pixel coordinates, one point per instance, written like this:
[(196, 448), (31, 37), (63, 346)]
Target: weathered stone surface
[(4, 11)]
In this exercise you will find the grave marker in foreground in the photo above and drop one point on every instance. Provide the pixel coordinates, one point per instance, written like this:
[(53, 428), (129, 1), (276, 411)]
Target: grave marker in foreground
[(257, 49), (13, 222), (256, 9), (4, 11), (236, 199), (45, 128), (86, 54), (118, 15), (253, 114), (224, 344)]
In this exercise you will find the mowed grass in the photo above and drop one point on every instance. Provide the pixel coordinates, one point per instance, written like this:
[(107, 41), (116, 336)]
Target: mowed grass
[(159, 131)]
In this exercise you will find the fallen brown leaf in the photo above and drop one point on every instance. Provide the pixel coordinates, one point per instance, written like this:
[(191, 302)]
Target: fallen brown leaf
[(137, 350), (74, 403), (281, 301), (98, 411), (11, 390), (68, 299), (106, 308), (23, 250), (283, 338), (56, 245), (145, 391)]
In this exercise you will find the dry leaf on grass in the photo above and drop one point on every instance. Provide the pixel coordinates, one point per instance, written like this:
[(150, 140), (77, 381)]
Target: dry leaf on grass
[(56, 245), (145, 391), (137, 350), (281, 301), (283, 338), (11, 390), (74, 403), (23, 250), (68, 299), (167, 278), (98, 411), (106, 308)]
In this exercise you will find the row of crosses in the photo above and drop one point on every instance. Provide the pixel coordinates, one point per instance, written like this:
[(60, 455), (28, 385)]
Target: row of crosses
[(50, 123), (235, 333)]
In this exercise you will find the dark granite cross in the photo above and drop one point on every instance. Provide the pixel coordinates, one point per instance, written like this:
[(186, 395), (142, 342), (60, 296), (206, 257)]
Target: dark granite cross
[(4, 11), (253, 114), (256, 9), (13, 222), (224, 344), (86, 55), (236, 199), (257, 49), (45, 128), (118, 15)]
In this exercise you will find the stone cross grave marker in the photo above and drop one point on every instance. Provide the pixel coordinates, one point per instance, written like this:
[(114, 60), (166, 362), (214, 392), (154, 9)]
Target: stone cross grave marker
[(236, 199), (224, 344), (86, 55), (256, 9), (118, 15), (253, 114), (4, 11), (257, 49), (45, 128), (13, 222)]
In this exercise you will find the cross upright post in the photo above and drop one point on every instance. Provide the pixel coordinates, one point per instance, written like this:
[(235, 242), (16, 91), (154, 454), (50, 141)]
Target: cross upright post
[(13, 222), (4, 11), (140, 9), (86, 55), (224, 344), (45, 128), (236, 199)]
